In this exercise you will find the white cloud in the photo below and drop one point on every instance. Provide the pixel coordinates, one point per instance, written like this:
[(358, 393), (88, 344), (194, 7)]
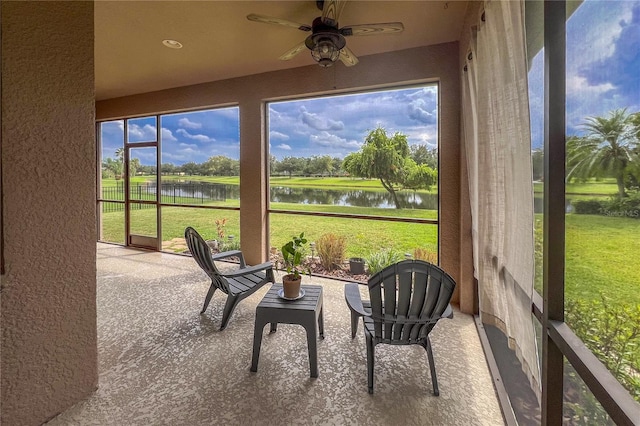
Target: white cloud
[(198, 137), (142, 134), (230, 112), (418, 111), (579, 86), (284, 146), (422, 135), (188, 145), (186, 123), (167, 135), (319, 123), (596, 41), (328, 140), (277, 135)]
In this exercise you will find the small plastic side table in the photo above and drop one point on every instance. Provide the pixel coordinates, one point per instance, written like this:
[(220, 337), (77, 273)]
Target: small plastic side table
[(306, 312)]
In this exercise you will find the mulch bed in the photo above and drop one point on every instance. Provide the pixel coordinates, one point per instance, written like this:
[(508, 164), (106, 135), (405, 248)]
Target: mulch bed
[(313, 265)]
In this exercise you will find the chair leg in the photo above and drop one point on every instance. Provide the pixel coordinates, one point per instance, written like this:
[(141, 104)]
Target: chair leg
[(207, 299), (432, 367), (229, 306), (370, 361), (354, 324)]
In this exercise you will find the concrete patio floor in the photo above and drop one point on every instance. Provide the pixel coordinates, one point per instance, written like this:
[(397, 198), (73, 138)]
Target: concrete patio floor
[(161, 362)]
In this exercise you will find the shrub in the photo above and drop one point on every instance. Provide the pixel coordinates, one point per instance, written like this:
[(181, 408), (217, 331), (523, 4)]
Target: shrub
[(588, 206), (615, 206), (220, 224), (379, 260), (426, 255), (229, 245), (331, 249), (612, 333), (623, 207)]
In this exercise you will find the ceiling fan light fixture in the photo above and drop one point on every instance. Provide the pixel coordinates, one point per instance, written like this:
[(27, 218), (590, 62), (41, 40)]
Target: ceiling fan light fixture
[(325, 53)]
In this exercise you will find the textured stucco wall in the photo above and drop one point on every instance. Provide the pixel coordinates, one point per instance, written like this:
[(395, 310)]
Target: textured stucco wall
[(49, 349), (432, 63)]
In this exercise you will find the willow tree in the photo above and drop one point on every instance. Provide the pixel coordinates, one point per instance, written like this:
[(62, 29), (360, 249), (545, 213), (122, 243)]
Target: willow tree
[(607, 149), (387, 158)]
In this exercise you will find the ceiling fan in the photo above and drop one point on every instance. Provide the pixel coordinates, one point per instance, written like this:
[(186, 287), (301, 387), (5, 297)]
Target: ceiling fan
[(327, 42)]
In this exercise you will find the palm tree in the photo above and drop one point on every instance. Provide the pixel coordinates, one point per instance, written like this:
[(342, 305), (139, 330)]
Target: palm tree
[(605, 150), (119, 166), (120, 154)]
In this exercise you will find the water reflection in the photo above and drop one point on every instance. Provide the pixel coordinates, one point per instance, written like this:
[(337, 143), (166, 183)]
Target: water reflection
[(353, 197), (192, 191)]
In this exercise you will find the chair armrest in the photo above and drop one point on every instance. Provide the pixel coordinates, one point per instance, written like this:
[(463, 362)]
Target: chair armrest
[(230, 253), (448, 313), (353, 299), (248, 270)]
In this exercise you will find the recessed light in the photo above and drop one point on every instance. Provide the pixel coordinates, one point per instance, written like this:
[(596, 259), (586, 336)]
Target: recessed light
[(173, 44)]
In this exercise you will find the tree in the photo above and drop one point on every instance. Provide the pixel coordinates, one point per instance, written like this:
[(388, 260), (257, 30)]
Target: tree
[(111, 168), (419, 175), (273, 162), (290, 165), (421, 154), (634, 120), (387, 159), (318, 165), (168, 168), (134, 166), (606, 150), (190, 168), (537, 161), (221, 165), (336, 166), (119, 167)]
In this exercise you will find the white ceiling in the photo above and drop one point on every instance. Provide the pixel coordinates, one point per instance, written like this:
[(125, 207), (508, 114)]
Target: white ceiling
[(220, 43)]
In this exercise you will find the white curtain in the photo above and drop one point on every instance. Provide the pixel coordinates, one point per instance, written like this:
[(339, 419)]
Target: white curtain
[(497, 141)]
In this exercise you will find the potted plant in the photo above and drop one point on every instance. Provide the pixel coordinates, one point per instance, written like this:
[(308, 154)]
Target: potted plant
[(292, 255)]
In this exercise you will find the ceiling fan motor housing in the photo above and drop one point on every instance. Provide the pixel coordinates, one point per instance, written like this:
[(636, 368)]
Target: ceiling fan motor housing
[(325, 43)]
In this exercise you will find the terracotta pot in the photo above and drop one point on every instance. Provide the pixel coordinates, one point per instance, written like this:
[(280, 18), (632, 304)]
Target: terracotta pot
[(291, 286)]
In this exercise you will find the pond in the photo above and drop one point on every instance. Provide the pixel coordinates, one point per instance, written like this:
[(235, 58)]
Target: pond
[(173, 192), (353, 197)]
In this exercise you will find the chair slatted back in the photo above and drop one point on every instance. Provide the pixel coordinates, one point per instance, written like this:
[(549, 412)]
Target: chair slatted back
[(202, 254), (407, 299)]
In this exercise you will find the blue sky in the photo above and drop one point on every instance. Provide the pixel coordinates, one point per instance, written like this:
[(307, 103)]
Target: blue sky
[(335, 126), (338, 125), (603, 63)]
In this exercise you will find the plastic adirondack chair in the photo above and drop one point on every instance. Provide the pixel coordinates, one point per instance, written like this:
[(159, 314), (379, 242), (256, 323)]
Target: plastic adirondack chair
[(406, 301), (237, 285)]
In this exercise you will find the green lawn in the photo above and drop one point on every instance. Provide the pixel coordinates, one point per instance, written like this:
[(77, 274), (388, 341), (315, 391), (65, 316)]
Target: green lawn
[(362, 236), (602, 255), (592, 187)]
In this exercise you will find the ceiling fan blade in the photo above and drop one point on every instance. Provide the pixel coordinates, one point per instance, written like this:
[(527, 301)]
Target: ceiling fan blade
[(293, 52), (331, 11), (372, 29), (347, 57), (277, 21)]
